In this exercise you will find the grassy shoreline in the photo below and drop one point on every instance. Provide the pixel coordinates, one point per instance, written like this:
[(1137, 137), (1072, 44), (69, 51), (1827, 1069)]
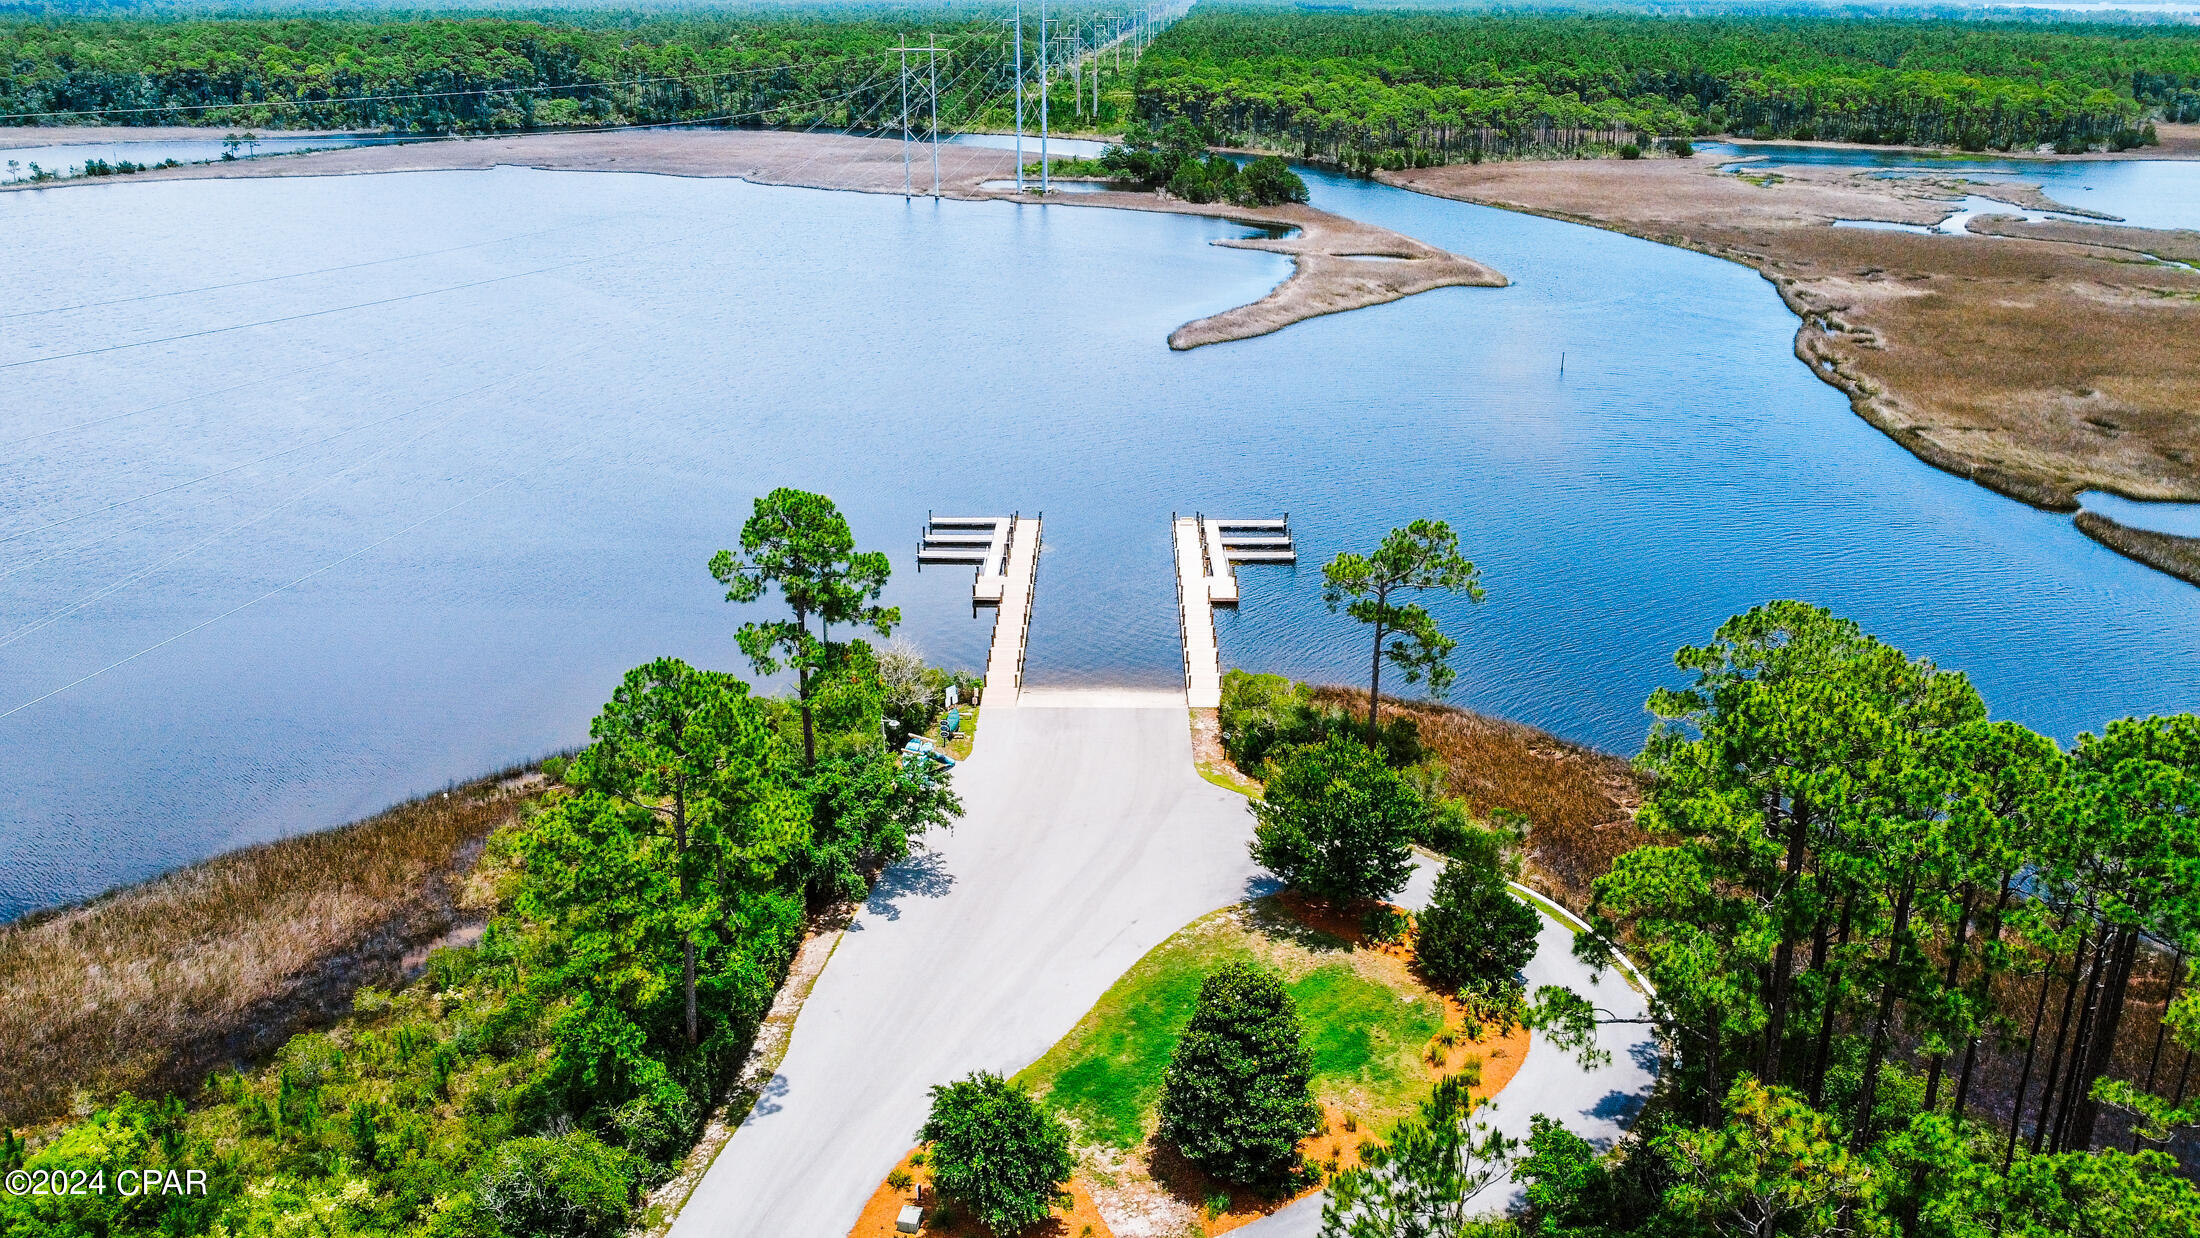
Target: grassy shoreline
[(152, 986)]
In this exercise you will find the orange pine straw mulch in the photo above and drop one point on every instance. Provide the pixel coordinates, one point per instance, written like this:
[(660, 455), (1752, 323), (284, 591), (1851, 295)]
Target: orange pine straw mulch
[(1080, 1220), (1337, 1147)]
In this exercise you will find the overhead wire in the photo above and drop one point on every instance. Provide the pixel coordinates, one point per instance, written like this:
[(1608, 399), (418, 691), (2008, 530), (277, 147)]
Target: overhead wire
[(131, 578), (426, 94), (411, 296)]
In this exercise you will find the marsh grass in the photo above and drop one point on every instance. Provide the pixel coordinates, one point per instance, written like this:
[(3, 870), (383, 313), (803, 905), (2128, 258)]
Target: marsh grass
[(1579, 802), (148, 987)]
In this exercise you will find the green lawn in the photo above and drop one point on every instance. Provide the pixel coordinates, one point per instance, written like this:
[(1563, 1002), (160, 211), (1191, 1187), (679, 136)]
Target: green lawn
[(1366, 1022)]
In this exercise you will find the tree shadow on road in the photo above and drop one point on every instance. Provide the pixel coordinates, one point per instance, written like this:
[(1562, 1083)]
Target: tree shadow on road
[(923, 875)]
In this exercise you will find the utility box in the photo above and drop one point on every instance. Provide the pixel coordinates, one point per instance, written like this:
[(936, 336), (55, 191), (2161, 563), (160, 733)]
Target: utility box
[(911, 1218)]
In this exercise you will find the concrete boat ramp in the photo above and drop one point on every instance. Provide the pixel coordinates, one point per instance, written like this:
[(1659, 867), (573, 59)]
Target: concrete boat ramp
[(1088, 838)]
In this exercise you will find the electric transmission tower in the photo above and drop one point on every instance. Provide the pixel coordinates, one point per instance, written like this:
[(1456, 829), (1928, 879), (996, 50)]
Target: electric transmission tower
[(929, 86)]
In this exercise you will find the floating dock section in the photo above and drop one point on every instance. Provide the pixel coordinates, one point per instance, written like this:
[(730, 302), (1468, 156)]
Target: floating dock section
[(1207, 554), (1005, 550)]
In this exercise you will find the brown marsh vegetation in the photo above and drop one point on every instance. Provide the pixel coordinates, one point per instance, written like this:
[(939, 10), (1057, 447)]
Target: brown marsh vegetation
[(2042, 362), (1580, 802), (149, 987)]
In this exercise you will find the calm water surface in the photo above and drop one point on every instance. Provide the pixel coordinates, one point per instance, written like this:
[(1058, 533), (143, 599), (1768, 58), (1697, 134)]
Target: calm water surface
[(2146, 193), (330, 491)]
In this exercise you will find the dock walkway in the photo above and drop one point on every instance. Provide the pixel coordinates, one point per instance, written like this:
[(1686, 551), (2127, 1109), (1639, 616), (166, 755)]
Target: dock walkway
[(1207, 552), (1004, 665), (1196, 618)]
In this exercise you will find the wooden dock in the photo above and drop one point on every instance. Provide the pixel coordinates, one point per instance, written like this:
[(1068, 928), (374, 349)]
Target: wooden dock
[(1005, 550), (1004, 666), (1207, 552)]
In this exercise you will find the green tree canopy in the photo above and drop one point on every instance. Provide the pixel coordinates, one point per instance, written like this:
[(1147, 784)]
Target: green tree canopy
[(1238, 1096), (1419, 558), (799, 543), (1475, 935), (1338, 823), (1427, 1181), (995, 1151)]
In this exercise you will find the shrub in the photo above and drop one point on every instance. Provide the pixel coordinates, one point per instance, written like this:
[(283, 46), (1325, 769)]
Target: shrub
[(1239, 1093), (1338, 823), (658, 1122), (1682, 148), (1258, 713), (1384, 923), (1262, 715), (1475, 935), (570, 1186), (553, 768), (899, 1180), (1630, 151), (995, 1151)]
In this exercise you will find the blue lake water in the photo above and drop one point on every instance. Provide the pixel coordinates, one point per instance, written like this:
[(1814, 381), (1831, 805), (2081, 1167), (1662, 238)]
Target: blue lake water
[(322, 492), (69, 159), (2145, 193)]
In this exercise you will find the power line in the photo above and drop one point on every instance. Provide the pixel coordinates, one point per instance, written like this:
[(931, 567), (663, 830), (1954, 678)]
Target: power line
[(433, 94), (132, 578), (269, 279)]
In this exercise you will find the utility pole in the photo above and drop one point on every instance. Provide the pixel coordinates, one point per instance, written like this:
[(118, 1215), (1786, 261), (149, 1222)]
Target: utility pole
[(935, 92), (904, 50), (1019, 96), (1045, 184)]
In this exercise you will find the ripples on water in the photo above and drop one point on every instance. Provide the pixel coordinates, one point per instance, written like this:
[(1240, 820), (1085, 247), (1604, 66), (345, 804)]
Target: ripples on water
[(306, 568)]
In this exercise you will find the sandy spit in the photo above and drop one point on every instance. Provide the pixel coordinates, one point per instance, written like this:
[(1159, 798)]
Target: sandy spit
[(1332, 273)]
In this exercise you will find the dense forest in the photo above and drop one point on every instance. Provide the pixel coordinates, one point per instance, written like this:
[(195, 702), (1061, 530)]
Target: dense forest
[(1402, 88), (1916, 972), (778, 67)]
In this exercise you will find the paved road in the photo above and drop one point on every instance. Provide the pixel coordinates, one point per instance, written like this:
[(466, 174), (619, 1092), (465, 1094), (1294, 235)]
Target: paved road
[(1087, 840)]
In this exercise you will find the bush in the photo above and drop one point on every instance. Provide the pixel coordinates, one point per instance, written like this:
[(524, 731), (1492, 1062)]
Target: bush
[(1263, 715), (995, 1151), (1383, 924), (1475, 935), (1630, 151), (1239, 1093), (571, 1186), (658, 1123), (1260, 713), (1682, 148), (1338, 823)]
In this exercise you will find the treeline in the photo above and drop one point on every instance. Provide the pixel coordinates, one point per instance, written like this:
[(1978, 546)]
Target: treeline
[(1916, 972), (1401, 88), (488, 75), (1869, 902), (535, 1084)]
